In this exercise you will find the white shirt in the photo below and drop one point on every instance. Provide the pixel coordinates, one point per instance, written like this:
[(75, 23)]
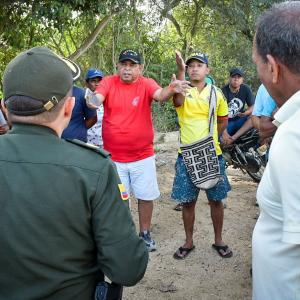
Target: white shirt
[(94, 134), (276, 237), (279, 191)]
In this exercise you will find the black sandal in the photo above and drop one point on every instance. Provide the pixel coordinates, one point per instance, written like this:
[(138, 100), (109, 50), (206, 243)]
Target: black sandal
[(223, 251), (178, 207), (182, 253)]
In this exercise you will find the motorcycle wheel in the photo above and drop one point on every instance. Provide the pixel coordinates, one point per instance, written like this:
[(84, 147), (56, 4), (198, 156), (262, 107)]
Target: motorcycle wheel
[(256, 176)]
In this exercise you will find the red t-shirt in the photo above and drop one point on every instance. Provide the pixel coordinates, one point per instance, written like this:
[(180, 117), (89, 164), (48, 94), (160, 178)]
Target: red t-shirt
[(127, 128)]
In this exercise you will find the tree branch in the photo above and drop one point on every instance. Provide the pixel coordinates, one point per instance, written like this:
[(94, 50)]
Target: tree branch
[(88, 42), (175, 23), (72, 38), (196, 19), (168, 6), (57, 45), (65, 41)]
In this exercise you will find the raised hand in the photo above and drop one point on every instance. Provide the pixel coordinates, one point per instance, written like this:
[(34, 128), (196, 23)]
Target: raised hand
[(179, 61), (92, 99), (179, 86)]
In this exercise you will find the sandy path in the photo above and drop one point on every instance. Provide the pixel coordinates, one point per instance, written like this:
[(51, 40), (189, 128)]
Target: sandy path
[(203, 275)]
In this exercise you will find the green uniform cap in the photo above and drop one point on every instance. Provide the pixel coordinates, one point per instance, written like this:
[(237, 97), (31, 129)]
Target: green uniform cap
[(40, 74)]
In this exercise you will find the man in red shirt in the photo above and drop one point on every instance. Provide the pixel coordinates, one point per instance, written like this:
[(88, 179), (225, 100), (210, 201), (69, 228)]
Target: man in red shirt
[(128, 130)]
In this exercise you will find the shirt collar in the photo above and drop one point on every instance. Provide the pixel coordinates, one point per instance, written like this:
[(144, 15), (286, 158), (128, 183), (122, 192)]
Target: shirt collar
[(23, 128), (287, 110)]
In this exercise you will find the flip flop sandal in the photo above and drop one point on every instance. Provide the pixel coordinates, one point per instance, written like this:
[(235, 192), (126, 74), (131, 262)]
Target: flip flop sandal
[(178, 207), (223, 251), (182, 253)]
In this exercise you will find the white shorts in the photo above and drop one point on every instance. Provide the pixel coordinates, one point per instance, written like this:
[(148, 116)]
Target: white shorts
[(140, 178)]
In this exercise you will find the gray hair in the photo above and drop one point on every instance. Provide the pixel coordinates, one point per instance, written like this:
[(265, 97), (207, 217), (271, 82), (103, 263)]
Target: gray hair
[(278, 34)]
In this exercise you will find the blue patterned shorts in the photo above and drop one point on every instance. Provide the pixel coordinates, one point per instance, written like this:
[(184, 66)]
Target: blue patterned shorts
[(184, 191)]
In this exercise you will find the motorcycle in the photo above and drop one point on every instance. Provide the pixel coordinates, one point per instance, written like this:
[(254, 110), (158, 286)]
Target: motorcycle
[(246, 155)]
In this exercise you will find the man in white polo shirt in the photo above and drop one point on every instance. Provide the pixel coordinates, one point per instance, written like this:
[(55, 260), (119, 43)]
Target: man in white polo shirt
[(276, 237)]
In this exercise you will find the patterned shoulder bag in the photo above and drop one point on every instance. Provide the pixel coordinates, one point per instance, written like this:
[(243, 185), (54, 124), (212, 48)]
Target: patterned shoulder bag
[(200, 157)]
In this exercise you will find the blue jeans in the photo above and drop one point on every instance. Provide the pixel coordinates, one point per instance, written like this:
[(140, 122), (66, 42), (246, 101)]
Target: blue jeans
[(235, 124)]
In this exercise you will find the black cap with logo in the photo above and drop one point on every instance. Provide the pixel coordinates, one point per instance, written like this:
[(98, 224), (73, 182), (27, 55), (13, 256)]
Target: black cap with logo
[(198, 56), (129, 54)]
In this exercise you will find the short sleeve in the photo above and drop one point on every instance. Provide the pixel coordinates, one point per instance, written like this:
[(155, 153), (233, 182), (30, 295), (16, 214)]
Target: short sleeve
[(152, 86), (258, 104), (249, 97), (222, 106), (104, 86), (289, 191), (257, 109), (225, 92), (269, 106), (285, 174)]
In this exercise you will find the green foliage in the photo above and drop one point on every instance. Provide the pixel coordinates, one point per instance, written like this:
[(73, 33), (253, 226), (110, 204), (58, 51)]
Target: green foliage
[(164, 117), (222, 29)]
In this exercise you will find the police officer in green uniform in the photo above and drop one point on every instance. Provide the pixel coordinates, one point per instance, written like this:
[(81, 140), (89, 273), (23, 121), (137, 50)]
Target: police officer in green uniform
[(63, 223)]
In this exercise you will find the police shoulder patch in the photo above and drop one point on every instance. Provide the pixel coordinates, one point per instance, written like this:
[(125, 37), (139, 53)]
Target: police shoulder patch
[(89, 146)]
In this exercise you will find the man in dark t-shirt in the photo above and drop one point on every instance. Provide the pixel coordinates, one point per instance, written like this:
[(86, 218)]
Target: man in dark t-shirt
[(82, 118), (238, 95)]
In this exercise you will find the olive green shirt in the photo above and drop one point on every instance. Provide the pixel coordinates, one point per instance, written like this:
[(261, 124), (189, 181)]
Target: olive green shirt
[(62, 219)]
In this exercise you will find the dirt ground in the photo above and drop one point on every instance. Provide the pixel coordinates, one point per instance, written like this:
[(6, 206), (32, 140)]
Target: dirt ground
[(203, 274)]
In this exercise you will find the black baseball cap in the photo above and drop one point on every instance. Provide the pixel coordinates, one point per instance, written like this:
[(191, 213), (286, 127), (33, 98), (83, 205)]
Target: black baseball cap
[(129, 54), (236, 71), (198, 56), (40, 74)]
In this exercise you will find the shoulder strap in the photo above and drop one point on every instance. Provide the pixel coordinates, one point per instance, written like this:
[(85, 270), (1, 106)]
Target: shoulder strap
[(89, 147), (212, 109)]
